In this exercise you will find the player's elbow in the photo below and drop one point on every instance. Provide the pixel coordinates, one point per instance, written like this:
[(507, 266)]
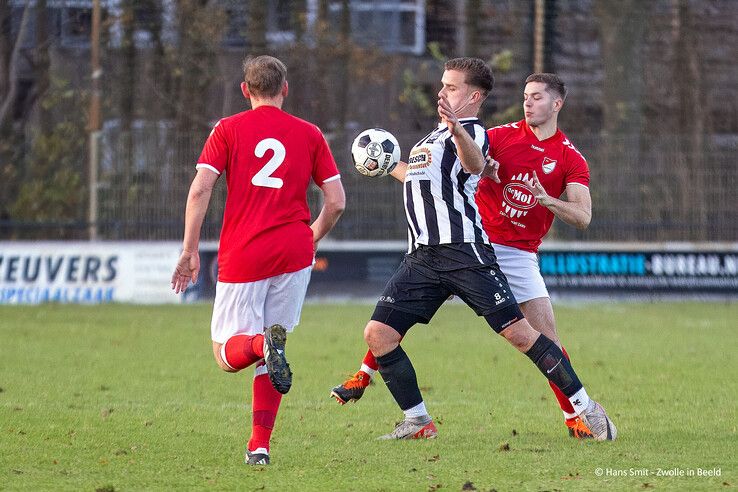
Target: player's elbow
[(335, 207), (335, 202), (583, 221)]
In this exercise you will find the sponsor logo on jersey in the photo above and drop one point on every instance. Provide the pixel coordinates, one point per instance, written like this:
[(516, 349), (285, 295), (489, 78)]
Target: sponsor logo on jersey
[(548, 165), (420, 157), (534, 147), (517, 198)]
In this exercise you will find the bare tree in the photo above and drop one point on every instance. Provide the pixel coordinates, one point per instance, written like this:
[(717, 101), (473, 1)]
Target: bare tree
[(622, 26)]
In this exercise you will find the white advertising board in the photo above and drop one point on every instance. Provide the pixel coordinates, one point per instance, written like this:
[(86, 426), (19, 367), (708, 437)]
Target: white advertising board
[(87, 272)]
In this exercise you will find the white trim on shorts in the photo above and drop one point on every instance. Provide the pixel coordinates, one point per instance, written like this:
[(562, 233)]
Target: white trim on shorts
[(248, 307), (522, 272)]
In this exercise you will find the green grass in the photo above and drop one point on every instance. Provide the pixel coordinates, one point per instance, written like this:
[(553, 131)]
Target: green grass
[(129, 398)]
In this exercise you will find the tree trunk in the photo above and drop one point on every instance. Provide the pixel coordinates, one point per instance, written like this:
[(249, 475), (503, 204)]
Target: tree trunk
[(622, 26)]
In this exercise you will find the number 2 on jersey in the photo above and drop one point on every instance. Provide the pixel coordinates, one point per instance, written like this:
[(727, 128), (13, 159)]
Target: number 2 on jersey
[(263, 177)]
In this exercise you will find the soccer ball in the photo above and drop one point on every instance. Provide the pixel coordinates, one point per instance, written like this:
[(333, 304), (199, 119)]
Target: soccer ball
[(375, 152)]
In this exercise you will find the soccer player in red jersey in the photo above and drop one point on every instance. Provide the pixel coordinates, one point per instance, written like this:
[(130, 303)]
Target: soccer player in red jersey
[(533, 163), (267, 243)]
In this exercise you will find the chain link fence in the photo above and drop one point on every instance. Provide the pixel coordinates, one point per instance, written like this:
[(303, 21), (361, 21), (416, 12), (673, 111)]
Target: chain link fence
[(652, 191)]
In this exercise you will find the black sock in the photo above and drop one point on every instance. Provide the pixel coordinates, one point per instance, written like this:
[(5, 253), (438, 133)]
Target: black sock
[(399, 376), (552, 363)]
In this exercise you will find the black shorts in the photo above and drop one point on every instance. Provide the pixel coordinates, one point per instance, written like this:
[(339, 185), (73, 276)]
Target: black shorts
[(430, 274)]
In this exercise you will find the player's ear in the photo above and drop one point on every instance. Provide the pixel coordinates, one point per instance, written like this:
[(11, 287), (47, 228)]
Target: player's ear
[(285, 89), (558, 104), (245, 90)]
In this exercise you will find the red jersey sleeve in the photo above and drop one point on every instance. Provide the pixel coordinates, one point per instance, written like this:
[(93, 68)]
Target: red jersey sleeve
[(577, 170), (214, 154), (492, 135), (324, 166)]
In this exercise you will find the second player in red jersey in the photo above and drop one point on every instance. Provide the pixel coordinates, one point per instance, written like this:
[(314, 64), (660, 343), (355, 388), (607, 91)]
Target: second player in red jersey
[(269, 158), (510, 211), (267, 241)]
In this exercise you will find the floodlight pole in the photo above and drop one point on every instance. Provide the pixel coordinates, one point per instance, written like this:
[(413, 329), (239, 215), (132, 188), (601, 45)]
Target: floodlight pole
[(94, 121)]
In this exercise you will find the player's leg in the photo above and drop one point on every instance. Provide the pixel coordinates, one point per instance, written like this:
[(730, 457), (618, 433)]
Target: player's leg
[(552, 363), (413, 295), (486, 290), (237, 324), (526, 283), (282, 308), (264, 406), (539, 314), (398, 372)]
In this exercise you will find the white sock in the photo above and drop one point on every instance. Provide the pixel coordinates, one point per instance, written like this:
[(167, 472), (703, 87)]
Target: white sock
[(368, 370), (580, 401), (259, 451), (568, 415), (416, 411)]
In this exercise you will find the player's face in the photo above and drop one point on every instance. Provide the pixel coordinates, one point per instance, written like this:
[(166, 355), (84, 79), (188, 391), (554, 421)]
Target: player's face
[(458, 93), (539, 105)]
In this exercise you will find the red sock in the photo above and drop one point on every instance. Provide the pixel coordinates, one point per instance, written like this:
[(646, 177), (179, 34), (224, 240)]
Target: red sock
[(564, 402), (370, 361), (264, 406), (241, 351)]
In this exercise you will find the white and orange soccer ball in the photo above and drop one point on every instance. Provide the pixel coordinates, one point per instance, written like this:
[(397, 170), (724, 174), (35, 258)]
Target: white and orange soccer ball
[(375, 152)]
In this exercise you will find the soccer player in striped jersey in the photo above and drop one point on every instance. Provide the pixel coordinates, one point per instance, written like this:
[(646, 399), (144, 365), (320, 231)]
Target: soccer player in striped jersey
[(267, 243), (448, 255)]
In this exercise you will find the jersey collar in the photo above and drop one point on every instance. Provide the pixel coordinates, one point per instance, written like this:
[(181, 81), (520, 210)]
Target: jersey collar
[(466, 119), (529, 132)]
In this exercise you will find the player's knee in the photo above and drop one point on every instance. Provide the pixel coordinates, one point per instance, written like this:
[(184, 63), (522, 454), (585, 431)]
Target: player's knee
[(520, 335), (217, 354), (373, 333), (379, 335)]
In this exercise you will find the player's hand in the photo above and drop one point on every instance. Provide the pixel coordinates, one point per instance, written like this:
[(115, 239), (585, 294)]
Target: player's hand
[(538, 191), (490, 170), (448, 115), (188, 267)]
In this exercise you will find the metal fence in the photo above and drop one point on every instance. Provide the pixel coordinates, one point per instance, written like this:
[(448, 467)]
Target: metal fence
[(644, 188)]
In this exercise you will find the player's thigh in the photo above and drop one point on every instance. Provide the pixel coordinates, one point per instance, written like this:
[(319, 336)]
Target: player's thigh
[(238, 309), (285, 298), (539, 313), (522, 272), (415, 289), (483, 286)]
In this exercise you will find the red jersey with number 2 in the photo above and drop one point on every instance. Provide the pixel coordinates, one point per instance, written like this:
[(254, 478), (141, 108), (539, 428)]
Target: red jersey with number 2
[(510, 213), (269, 158)]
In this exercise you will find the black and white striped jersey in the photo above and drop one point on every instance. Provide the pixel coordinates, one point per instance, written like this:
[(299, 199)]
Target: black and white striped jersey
[(439, 194)]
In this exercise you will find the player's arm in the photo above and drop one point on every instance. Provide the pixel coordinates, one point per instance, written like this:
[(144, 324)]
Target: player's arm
[(399, 171), (576, 210), (491, 169), (334, 202), (467, 149), (198, 200)]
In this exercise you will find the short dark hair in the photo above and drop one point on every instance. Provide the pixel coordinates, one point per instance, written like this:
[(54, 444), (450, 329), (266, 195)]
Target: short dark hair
[(477, 72), (553, 83), (264, 75)]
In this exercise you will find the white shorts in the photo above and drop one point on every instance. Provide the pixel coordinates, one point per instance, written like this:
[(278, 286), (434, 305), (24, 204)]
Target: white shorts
[(522, 272), (247, 308)]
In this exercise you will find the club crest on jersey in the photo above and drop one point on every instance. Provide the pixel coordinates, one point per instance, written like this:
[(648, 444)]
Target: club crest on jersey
[(548, 165)]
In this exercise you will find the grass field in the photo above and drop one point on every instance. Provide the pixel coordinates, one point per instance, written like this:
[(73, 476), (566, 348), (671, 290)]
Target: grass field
[(129, 398)]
